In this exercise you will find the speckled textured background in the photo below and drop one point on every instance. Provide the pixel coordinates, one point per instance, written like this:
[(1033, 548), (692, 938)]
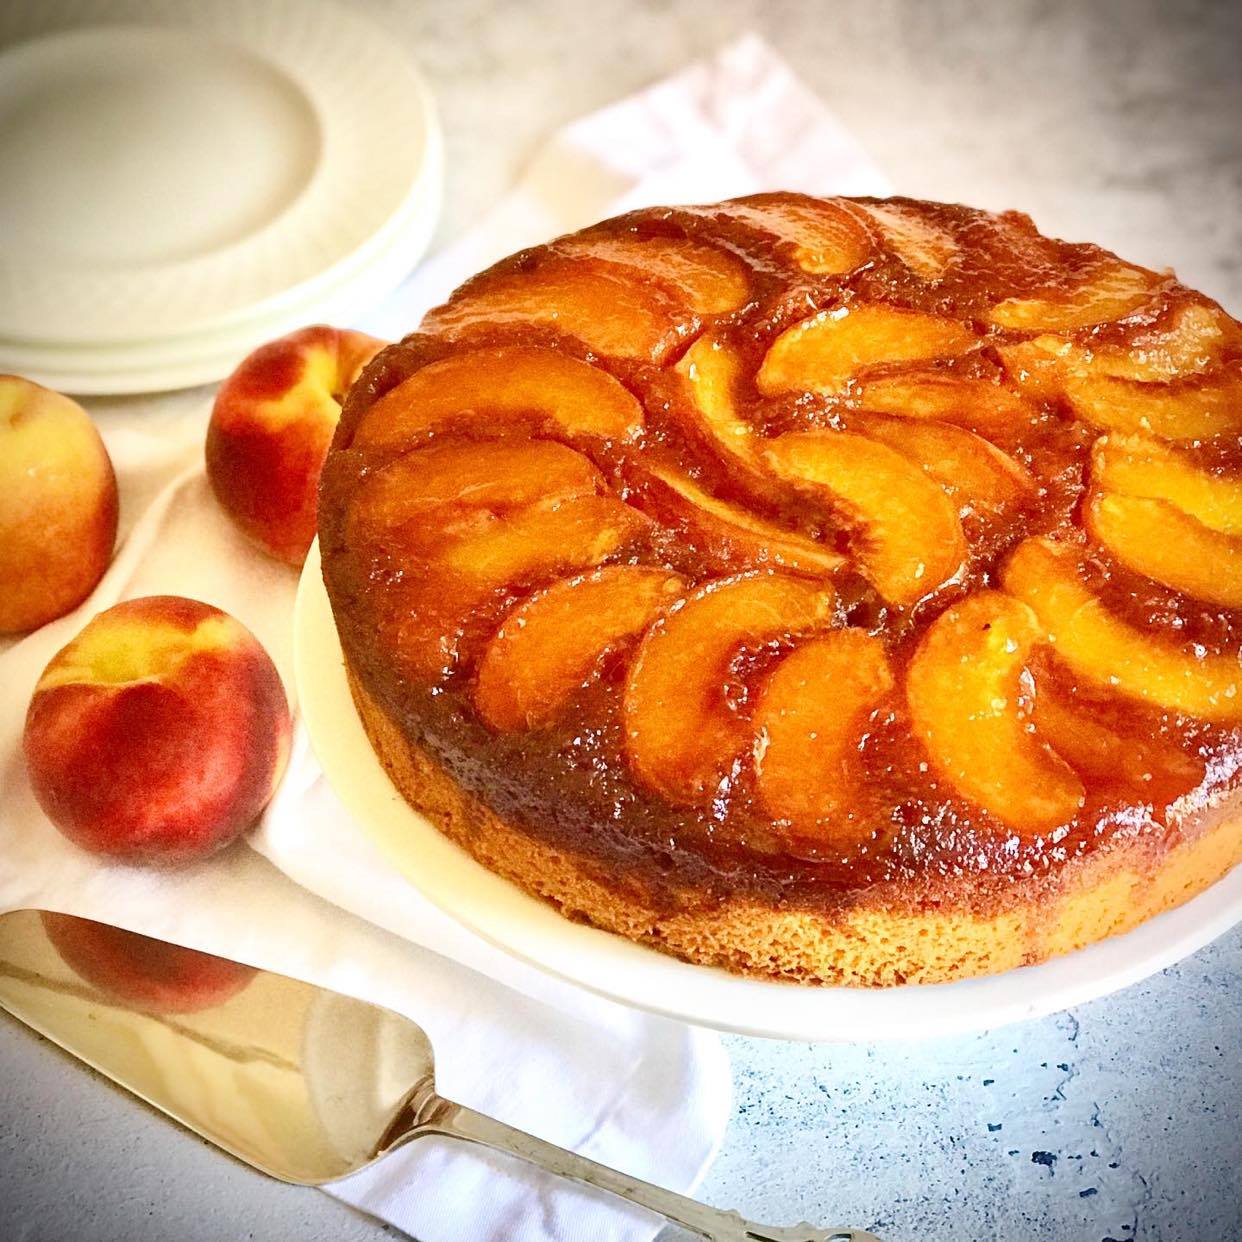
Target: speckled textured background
[(1118, 1120), (1117, 121)]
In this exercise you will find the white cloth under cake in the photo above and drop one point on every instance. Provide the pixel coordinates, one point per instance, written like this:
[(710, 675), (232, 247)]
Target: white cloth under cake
[(312, 898)]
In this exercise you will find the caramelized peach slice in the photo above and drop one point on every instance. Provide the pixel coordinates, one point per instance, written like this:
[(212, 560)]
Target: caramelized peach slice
[(1112, 290), (965, 688), (1162, 542), (824, 238), (551, 644), (1189, 343), (1038, 366), (710, 280), (481, 387), (925, 248), (682, 735), (1185, 347), (1099, 752), (570, 534), (711, 371), (1196, 407), (735, 534), (425, 619), (1106, 651), (810, 720), (1192, 409), (1142, 467), (957, 459), (605, 306), (475, 474), (482, 555), (823, 353), (911, 537), (1166, 517), (979, 404)]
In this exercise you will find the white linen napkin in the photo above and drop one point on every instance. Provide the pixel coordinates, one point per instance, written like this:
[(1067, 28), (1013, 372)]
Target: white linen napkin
[(643, 1094)]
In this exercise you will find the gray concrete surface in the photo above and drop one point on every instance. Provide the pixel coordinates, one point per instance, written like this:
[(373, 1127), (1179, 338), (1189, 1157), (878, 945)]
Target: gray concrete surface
[(1115, 121)]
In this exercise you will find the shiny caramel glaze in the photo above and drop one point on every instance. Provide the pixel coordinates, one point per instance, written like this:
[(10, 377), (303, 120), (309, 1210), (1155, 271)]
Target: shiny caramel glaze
[(970, 666)]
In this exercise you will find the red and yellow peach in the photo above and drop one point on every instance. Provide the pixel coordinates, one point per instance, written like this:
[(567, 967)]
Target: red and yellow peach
[(270, 429), (58, 505), (159, 733)]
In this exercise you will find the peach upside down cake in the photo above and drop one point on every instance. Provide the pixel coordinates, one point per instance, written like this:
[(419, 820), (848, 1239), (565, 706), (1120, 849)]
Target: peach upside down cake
[(843, 590)]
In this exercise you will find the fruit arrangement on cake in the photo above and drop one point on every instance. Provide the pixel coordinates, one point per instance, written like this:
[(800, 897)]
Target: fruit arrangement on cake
[(846, 590)]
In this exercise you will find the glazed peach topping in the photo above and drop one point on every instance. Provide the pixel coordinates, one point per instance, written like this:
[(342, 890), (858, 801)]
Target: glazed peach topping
[(836, 525)]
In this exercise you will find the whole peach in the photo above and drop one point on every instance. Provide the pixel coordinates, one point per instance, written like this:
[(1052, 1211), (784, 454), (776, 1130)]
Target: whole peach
[(270, 429), (159, 733), (58, 505), (142, 972)]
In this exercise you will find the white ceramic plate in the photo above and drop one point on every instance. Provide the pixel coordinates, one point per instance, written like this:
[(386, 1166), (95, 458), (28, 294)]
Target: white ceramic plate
[(634, 975), (181, 362), (177, 171)]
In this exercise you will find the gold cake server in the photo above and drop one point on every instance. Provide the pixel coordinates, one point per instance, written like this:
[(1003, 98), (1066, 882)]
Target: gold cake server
[(302, 1083)]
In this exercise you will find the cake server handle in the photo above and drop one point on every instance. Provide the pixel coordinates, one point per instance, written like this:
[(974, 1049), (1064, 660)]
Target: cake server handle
[(435, 1115)]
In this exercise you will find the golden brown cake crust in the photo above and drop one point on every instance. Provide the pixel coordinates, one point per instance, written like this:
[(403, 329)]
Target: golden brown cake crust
[(840, 590), (882, 943)]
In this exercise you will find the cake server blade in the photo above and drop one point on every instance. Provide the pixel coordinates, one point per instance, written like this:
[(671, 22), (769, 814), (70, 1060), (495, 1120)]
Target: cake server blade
[(303, 1083)]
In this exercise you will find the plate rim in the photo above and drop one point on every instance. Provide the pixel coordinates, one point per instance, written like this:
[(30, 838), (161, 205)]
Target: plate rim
[(532, 932)]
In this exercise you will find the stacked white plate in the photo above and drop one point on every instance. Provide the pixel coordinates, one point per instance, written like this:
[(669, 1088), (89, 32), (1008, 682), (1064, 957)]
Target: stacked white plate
[(184, 181)]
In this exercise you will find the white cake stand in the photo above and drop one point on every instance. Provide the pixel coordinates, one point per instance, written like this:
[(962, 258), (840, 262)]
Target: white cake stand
[(617, 968)]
